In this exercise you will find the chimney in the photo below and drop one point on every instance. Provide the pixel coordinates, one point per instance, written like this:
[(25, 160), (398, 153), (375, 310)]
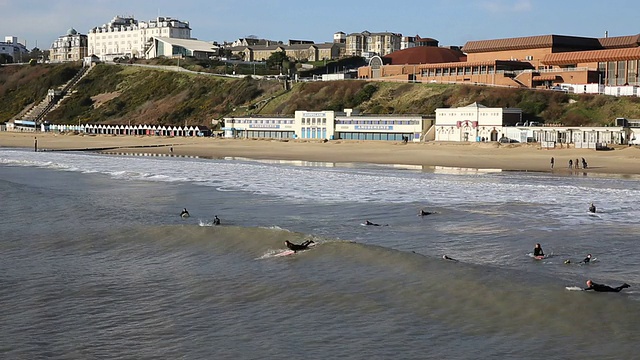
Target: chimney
[(606, 34)]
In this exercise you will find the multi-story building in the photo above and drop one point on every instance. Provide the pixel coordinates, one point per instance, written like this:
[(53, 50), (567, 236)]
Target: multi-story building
[(126, 36), (367, 44), (561, 62), (12, 48), (69, 47)]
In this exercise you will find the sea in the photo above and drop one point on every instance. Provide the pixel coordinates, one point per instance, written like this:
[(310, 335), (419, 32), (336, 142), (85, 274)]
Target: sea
[(96, 263)]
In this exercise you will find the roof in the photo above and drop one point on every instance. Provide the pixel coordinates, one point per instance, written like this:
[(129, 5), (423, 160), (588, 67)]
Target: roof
[(620, 41), (531, 42), (575, 57), (544, 77), (194, 45), (424, 55)]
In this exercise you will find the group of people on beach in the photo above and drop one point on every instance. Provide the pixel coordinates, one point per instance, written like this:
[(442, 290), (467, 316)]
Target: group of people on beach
[(538, 252), (572, 165)]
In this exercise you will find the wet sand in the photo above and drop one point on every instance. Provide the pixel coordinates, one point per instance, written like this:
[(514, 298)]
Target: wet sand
[(512, 157)]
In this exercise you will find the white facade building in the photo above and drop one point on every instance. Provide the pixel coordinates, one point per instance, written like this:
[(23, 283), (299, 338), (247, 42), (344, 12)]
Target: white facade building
[(329, 125), (474, 122), (126, 36), (11, 47)]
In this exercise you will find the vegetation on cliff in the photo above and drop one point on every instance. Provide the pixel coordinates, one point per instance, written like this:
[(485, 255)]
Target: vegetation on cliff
[(117, 94)]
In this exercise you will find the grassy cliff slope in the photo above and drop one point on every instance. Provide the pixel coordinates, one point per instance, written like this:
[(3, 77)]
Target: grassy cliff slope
[(115, 94)]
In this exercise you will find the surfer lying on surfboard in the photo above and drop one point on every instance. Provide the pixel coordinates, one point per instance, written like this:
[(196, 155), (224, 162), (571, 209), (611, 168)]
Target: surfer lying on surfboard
[(298, 247), (604, 288)]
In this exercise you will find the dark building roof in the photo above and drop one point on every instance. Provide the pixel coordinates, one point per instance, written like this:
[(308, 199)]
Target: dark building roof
[(533, 42), (424, 55)]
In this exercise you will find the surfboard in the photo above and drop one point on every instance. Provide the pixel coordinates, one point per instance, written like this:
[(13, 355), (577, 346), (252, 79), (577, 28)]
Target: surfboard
[(539, 257), (574, 288)]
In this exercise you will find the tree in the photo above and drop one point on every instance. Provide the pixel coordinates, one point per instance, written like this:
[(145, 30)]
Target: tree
[(277, 58)]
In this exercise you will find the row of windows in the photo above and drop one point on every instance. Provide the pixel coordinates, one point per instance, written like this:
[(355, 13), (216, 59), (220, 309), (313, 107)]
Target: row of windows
[(618, 73), (468, 114), (466, 70), (313, 133), (262, 121), (266, 134), (372, 136), (313, 120), (378, 122)]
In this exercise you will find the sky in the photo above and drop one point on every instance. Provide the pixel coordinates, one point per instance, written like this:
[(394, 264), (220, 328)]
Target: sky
[(37, 23)]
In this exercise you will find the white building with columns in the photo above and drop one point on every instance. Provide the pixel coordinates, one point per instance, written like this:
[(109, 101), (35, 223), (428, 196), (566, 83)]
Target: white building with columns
[(126, 36), (474, 122)]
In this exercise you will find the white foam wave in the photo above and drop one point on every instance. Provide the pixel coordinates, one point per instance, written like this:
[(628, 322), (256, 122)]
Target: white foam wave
[(568, 197)]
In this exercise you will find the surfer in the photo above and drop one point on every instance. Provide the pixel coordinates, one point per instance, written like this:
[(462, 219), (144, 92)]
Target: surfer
[(587, 259), (605, 288), (216, 220), (537, 251), (425, 213), (296, 247), (448, 258), (184, 213), (592, 208), (367, 222)]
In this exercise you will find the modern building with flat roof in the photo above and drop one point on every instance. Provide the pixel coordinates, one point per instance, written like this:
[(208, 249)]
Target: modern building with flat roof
[(330, 125)]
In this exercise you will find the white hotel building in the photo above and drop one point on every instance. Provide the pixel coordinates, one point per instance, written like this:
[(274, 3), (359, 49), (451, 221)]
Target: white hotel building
[(126, 36)]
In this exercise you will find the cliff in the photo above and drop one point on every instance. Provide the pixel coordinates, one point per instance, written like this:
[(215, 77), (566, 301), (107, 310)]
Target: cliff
[(118, 94)]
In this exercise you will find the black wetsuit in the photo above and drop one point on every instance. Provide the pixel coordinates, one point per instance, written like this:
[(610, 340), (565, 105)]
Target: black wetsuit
[(216, 221), (424, 213), (296, 247), (586, 260), (371, 224), (592, 209), (184, 213), (606, 288), (538, 252)]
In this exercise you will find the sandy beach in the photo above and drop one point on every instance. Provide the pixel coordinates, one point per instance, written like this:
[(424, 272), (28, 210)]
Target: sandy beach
[(512, 157)]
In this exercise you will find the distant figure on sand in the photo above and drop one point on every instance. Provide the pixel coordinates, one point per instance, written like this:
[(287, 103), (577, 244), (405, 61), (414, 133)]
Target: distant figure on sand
[(570, 164), (604, 288), (537, 250), (425, 213), (592, 208), (184, 213), (552, 161)]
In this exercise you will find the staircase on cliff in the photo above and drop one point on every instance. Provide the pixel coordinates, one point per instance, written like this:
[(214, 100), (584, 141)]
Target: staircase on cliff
[(36, 113)]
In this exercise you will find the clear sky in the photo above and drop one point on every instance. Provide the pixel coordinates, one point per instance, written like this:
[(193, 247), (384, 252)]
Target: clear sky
[(452, 22)]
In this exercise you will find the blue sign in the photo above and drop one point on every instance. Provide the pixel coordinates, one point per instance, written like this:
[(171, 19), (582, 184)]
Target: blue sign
[(269, 126), (373, 127)]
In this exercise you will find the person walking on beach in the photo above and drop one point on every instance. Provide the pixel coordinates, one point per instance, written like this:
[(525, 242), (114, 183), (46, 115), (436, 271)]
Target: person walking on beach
[(584, 163), (570, 164), (577, 164), (552, 161)]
